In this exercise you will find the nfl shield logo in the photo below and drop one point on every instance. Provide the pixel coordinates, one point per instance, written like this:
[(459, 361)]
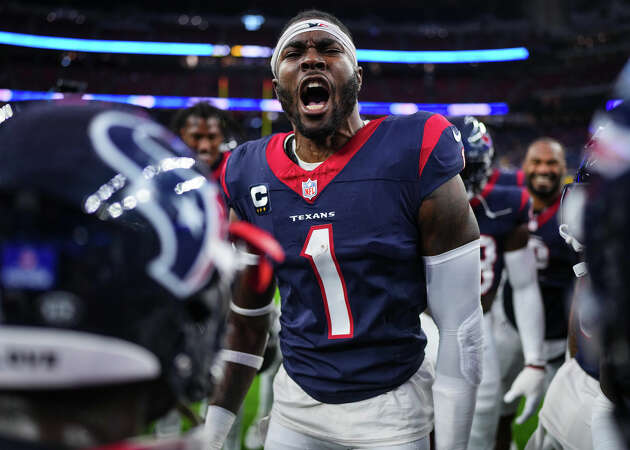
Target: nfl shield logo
[(309, 189)]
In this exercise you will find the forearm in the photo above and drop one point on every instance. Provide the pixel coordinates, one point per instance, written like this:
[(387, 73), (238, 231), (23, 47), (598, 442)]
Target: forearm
[(528, 306), (246, 341), (242, 354)]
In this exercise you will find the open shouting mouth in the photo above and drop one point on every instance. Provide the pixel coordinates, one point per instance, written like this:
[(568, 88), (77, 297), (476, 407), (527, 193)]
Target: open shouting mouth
[(314, 95)]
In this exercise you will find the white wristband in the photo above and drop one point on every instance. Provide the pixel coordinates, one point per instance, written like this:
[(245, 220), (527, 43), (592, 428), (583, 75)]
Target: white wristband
[(252, 312), (580, 270), (218, 423), (245, 359)]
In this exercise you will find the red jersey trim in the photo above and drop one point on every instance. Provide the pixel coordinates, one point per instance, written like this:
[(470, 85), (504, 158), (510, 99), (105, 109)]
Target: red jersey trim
[(217, 171), (548, 213), (495, 176), (293, 175), (222, 177), (433, 128), (474, 202), (520, 177), (524, 198)]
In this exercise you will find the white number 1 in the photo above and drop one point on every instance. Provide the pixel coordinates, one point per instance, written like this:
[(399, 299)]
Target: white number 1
[(320, 251)]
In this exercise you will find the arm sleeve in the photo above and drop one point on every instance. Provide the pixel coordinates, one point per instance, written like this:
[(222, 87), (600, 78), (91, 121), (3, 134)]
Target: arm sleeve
[(453, 289), (528, 305), (441, 154)]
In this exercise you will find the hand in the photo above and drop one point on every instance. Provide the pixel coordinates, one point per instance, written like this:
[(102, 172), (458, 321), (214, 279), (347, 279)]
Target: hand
[(217, 426), (529, 383), (262, 244)]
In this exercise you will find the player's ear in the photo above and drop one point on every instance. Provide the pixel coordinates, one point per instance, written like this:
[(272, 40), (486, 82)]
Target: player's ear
[(274, 83), (359, 72)]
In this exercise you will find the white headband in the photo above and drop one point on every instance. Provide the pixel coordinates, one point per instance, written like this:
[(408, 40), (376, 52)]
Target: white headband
[(306, 26)]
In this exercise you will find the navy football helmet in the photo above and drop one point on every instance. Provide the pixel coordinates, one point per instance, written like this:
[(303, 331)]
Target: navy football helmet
[(114, 263), (478, 152)]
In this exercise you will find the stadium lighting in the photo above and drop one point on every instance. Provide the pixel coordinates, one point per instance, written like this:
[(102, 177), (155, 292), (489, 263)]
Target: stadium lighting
[(252, 22), (442, 57), (104, 46), (251, 51), (253, 104)]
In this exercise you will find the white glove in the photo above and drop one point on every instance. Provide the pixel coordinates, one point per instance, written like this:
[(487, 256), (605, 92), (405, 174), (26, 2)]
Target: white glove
[(530, 383), (218, 424)]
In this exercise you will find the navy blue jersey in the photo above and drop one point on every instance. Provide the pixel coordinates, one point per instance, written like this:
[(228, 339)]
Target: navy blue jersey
[(499, 210), (555, 261), (506, 177), (352, 284)]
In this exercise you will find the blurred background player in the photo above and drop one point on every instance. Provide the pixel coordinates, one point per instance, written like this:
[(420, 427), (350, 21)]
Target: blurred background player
[(565, 419), (502, 213), (209, 131), (112, 283), (354, 372), (544, 167), (606, 234)]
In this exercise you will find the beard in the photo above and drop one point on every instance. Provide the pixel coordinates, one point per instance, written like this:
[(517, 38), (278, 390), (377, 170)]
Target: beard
[(545, 193), (340, 110)]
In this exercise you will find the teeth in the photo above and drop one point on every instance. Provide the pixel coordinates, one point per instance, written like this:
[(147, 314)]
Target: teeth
[(314, 84), (314, 107)]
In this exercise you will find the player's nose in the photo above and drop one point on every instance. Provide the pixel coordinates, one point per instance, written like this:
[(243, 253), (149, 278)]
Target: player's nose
[(313, 60), (204, 144)]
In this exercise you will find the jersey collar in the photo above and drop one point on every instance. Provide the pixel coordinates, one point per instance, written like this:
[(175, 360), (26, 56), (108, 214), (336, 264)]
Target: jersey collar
[(547, 213), (310, 184)]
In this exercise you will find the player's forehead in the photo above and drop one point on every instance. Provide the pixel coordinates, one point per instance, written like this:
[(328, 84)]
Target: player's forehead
[(545, 151), (200, 124)]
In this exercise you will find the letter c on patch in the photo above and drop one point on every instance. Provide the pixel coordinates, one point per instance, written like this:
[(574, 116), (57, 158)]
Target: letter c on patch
[(260, 196)]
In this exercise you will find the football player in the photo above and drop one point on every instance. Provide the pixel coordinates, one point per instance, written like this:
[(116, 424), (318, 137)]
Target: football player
[(502, 213), (114, 276), (606, 234), (544, 168), (206, 130), (565, 417), (363, 210)]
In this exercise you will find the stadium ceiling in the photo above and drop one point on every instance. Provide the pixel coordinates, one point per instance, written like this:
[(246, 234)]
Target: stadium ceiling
[(399, 11)]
